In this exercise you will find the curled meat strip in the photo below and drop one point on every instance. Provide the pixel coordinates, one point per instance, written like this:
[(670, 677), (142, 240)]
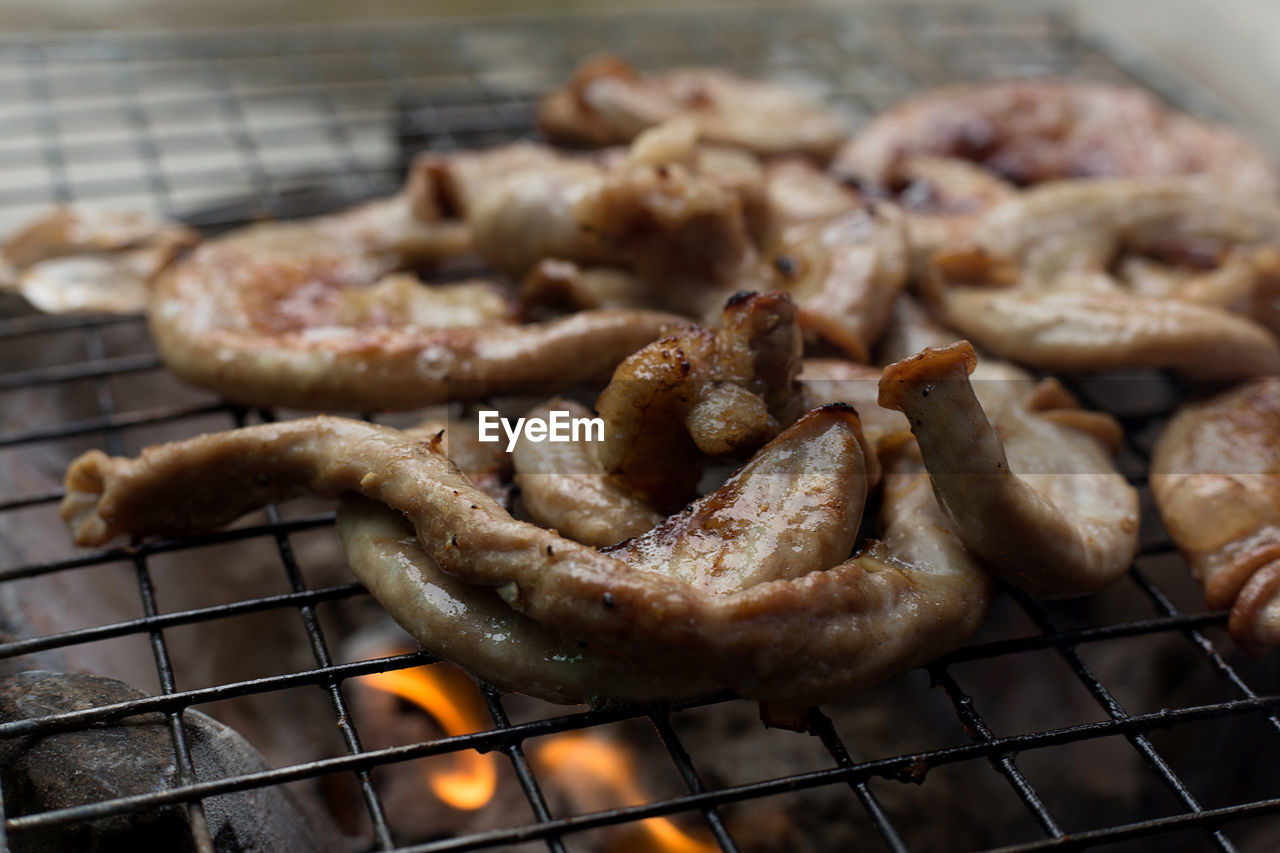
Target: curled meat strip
[(473, 627), (308, 314), (76, 259), (607, 102), (1055, 451), (1024, 475), (1215, 477), (748, 584), (1124, 272), (1032, 131)]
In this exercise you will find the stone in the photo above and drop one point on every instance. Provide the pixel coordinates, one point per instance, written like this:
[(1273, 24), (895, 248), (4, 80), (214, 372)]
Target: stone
[(136, 756)]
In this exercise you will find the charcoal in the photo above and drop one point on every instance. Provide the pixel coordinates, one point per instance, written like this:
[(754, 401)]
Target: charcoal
[(136, 756)]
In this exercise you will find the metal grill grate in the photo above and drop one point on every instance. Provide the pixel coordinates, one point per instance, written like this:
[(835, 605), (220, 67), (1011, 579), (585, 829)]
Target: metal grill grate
[(219, 129)]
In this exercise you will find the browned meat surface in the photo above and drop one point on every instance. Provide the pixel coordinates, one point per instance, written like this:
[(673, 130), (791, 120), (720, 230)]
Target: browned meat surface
[(816, 631), (607, 102), (303, 314), (810, 498), (1215, 477), (520, 201), (1145, 272), (684, 233), (625, 583), (674, 223), (700, 392), (88, 260), (473, 627), (1032, 131), (1031, 490), (844, 273), (692, 240), (678, 400), (684, 221)]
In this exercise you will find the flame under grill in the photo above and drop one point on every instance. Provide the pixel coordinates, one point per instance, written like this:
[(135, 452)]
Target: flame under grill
[(296, 122)]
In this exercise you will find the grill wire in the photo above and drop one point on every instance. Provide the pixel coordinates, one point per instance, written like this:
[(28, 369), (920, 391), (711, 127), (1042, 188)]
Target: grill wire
[(447, 86)]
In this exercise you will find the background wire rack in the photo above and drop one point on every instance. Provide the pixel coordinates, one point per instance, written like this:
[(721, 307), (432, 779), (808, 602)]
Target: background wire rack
[(222, 128)]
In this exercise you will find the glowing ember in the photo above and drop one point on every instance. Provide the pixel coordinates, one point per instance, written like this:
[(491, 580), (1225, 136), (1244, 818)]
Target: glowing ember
[(600, 776), (450, 696)]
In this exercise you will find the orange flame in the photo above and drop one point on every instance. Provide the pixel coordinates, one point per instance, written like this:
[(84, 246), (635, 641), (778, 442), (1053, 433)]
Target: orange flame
[(451, 697), (589, 760), (599, 772)]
